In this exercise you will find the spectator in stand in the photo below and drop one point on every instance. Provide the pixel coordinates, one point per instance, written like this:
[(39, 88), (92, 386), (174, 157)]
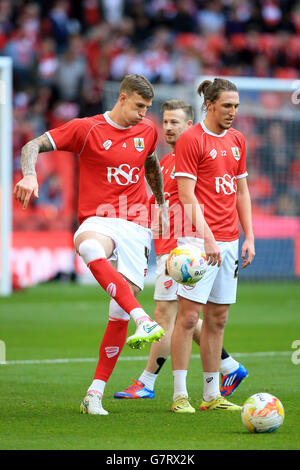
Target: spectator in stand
[(129, 61), (112, 11), (157, 60), (71, 70), (185, 20), (62, 25), (20, 48), (237, 17), (276, 156), (211, 19), (187, 66), (51, 193), (47, 62)]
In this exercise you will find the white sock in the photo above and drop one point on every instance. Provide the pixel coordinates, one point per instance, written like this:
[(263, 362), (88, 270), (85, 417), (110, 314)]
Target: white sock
[(228, 365), (179, 383), (211, 387), (98, 386), (138, 314), (148, 379)]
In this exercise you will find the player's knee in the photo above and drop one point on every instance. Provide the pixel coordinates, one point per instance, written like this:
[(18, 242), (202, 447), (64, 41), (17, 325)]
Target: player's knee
[(221, 322), (189, 320), (90, 250), (220, 318)]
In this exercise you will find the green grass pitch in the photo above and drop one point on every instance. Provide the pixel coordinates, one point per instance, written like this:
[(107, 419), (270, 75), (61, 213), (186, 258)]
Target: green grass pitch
[(40, 400)]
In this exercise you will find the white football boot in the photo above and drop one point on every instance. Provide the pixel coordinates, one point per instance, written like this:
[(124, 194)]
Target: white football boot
[(146, 332), (92, 404)]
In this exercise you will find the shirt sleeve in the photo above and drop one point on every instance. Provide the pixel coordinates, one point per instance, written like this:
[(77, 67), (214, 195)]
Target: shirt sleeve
[(187, 156), (154, 143), (69, 137)]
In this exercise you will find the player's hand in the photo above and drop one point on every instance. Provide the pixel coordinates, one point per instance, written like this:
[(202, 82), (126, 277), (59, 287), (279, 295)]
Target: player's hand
[(160, 219), (248, 253), (163, 218), (212, 252), (27, 186)]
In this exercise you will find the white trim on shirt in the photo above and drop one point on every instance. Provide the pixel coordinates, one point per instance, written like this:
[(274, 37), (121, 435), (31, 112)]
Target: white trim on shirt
[(211, 133), (188, 175), (112, 123), (243, 175), (51, 140)]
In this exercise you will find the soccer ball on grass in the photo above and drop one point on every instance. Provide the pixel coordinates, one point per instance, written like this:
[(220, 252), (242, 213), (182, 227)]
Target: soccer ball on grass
[(262, 413), (186, 264)]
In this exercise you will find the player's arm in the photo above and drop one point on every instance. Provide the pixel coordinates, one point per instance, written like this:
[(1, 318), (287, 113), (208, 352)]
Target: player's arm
[(243, 205), (186, 193), (29, 155), (154, 178)]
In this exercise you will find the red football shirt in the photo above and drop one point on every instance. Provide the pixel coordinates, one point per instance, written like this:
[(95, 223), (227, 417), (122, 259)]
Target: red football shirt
[(215, 162), (111, 165)]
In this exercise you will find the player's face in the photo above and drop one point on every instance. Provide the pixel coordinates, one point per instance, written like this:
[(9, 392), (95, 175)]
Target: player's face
[(134, 108), (174, 123), (224, 110)]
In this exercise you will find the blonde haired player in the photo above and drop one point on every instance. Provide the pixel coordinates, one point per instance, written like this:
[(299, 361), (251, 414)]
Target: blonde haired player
[(116, 151), (178, 116)]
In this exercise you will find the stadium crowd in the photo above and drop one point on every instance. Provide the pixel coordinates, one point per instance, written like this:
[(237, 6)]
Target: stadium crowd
[(65, 51)]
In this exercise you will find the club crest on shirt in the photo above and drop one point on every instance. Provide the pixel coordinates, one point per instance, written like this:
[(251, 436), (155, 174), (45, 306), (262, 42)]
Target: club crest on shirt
[(172, 175), (139, 143), (236, 153)]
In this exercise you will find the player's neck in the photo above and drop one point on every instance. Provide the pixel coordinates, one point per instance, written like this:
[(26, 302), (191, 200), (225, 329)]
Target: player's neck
[(116, 116), (213, 126)]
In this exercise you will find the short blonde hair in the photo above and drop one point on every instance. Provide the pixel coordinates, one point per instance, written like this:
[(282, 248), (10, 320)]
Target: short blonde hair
[(172, 105), (134, 83)]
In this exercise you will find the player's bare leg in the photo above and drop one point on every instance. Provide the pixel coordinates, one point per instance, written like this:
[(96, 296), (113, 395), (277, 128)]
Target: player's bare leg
[(165, 315), (211, 341), (232, 372), (212, 332), (181, 343)]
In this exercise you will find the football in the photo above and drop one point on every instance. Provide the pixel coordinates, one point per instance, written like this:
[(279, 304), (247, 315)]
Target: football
[(186, 264), (262, 412)]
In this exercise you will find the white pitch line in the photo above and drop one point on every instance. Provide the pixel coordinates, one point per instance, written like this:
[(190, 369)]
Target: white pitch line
[(135, 358)]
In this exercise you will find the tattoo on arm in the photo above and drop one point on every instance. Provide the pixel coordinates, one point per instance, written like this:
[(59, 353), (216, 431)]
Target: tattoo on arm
[(30, 153), (154, 177)]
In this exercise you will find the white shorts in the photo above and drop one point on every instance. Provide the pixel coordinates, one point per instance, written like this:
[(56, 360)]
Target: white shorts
[(219, 285), (165, 286), (132, 245)]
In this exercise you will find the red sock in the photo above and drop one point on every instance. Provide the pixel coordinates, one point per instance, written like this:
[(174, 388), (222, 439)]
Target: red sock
[(110, 349), (114, 284)]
